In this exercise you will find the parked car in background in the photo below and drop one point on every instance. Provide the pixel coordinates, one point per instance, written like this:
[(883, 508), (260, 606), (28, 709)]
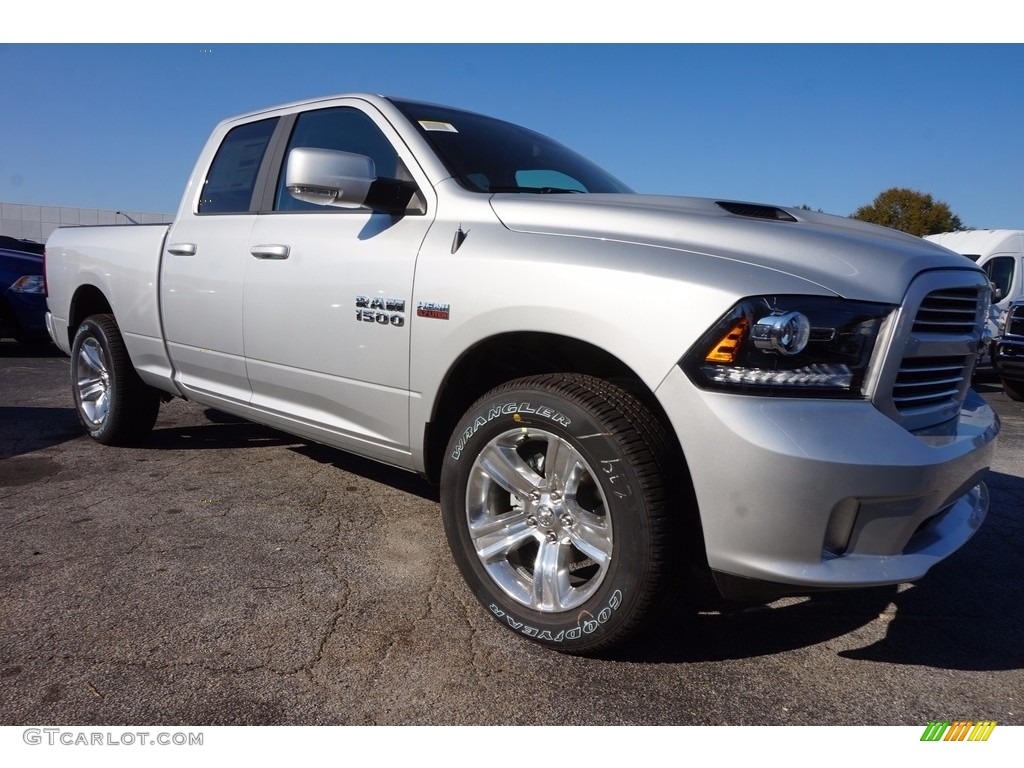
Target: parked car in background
[(1008, 351), (22, 292)]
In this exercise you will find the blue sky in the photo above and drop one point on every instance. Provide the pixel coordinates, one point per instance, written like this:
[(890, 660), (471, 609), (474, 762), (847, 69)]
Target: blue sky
[(119, 126)]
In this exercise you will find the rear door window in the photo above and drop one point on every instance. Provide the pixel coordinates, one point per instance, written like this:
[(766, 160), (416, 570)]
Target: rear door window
[(231, 180)]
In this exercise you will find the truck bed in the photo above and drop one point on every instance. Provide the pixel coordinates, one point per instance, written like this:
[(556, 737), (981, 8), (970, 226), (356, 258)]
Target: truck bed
[(120, 265)]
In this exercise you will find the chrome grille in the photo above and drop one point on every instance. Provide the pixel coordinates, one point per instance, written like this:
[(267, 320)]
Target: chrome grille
[(928, 381), (934, 347), (953, 311)]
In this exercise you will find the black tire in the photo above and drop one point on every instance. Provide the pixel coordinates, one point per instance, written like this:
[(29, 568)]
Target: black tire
[(1014, 389), (575, 562), (113, 404)]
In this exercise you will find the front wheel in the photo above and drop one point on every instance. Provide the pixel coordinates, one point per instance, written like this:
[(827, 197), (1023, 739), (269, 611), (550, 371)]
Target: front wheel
[(554, 504), (113, 403)]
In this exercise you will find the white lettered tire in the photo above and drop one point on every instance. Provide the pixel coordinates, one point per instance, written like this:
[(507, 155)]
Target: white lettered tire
[(553, 496)]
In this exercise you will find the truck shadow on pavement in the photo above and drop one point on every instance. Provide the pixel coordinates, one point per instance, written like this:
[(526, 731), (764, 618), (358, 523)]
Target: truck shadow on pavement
[(227, 431), (24, 429), (223, 432), (407, 482), (964, 615), (346, 462)]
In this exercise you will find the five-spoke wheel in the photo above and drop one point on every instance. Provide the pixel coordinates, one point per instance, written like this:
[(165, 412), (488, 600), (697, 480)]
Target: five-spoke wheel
[(113, 403), (539, 520), (553, 497)]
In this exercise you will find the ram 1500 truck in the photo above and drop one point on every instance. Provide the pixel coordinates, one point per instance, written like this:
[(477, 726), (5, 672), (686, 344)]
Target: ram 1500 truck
[(614, 391)]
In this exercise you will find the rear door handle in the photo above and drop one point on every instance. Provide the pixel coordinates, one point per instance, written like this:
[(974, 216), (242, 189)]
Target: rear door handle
[(182, 249), (276, 252)]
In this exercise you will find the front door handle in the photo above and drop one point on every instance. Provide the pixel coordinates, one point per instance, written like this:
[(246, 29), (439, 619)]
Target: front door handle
[(276, 252)]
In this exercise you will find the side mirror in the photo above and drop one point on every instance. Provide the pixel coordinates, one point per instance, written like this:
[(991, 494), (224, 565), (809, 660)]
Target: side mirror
[(329, 177), (347, 180)]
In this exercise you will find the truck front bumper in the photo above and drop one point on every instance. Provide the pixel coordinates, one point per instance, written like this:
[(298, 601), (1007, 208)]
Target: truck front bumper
[(797, 495)]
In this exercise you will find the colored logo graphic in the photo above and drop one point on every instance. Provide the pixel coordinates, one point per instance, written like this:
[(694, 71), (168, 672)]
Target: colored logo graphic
[(958, 730)]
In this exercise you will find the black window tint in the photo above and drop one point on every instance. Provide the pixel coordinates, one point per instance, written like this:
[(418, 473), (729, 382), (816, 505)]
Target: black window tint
[(1000, 272), (232, 176), (344, 129)]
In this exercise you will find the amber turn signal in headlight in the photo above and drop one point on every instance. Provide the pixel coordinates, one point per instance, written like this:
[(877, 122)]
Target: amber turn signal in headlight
[(728, 347)]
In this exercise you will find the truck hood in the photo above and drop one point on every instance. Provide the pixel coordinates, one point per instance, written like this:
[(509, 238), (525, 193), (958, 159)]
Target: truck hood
[(848, 257)]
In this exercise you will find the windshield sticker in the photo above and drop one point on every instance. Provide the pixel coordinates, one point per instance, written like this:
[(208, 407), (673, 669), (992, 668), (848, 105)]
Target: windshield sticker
[(437, 125)]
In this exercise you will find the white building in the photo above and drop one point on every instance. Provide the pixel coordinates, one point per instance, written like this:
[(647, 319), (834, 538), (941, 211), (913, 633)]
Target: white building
[(36, 222)]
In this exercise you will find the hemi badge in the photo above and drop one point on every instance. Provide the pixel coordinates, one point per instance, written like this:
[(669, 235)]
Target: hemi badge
[(433, 309)]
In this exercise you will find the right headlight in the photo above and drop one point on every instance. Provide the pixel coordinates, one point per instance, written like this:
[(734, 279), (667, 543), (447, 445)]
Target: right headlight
[(790, 346)]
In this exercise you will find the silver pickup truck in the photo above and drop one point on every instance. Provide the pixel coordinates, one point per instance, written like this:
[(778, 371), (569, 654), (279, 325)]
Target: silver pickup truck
[(616, 392)]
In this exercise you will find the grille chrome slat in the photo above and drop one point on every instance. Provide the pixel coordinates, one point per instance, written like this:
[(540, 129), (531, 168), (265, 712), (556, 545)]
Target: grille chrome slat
[(930, 384), (940, 396), (929, 372)]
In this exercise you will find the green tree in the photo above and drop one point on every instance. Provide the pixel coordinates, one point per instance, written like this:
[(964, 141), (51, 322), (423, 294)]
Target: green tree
[(909, 211)]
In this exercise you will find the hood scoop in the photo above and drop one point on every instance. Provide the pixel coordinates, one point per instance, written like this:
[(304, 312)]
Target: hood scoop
[(752, 211)]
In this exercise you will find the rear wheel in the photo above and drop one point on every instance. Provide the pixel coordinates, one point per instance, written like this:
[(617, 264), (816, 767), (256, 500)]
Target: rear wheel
[(554, 505), (113, 403)]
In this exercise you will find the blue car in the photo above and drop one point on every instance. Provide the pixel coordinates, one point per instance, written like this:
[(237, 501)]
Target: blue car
[(22, 292)]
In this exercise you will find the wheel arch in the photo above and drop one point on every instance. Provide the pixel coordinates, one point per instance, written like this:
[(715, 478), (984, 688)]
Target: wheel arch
[(507, 356), (88, 300)]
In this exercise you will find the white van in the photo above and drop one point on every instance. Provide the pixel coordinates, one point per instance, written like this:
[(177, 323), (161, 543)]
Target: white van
[(1000, 252), (997, 251)]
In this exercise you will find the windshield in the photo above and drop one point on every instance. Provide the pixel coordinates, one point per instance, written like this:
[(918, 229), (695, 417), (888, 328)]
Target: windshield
[(488, 155)]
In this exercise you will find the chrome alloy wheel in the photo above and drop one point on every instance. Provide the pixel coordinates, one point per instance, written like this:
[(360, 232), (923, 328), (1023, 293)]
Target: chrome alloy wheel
[(539, 520), (92, 379)]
